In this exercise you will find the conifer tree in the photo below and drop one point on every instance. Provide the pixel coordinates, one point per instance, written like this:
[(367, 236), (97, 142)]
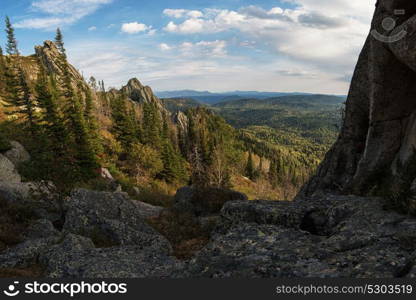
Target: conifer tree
[(125, 123), (76, 124), (273, 173), (51, 121), (151, 125), (59, 41), (11, 47), (250, 170)]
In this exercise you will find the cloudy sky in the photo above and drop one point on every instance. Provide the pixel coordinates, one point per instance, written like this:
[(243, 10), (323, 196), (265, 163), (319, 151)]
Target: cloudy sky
[(216, 45)]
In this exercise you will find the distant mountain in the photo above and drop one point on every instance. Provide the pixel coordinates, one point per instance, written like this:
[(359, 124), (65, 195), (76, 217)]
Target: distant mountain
[(213, 98), (180, 104), (300, 102)]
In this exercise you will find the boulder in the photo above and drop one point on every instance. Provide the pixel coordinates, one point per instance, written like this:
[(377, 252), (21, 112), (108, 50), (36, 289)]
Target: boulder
[(111, 219), (105, 173), (76, 257), (148, 211), (40, 236), (331, 236), (204, 202), (8, 172), (17, 154)]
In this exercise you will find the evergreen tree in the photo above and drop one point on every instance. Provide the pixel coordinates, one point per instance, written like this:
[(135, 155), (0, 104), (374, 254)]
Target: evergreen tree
[(19, 97), (51, 121), (273, 173), (59, 41), (151, 125), (173, 169), (79, 131), (124, 123), (11, 47), (26, 104), (250, 169)]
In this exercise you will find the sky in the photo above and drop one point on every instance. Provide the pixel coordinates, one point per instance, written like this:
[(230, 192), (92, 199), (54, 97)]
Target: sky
[(215, 45)]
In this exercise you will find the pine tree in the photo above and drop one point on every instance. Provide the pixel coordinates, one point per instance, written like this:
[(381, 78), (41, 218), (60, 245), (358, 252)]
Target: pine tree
[(173, 169), (273, 173), (2, 73), (51, 121), (19, 97), (250, 170), (124, 123), (85, 155), (151, 125), (11, 47), (26, 104), (77, 127), (59, 41)]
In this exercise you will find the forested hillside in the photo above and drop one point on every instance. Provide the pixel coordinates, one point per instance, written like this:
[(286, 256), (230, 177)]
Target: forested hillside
[(286, 136), (76, 130)]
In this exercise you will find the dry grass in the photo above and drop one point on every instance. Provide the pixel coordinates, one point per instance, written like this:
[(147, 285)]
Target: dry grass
[(34, 271), (183, 231), (14, 220)]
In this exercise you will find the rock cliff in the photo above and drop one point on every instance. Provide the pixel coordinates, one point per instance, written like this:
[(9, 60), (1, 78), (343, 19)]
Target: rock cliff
[(377, 137)]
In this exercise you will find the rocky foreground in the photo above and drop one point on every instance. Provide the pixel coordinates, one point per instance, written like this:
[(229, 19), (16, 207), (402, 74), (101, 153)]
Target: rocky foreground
[(105, 234)]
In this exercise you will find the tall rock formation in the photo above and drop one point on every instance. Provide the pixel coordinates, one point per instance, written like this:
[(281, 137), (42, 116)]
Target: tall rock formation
[(378, 135)]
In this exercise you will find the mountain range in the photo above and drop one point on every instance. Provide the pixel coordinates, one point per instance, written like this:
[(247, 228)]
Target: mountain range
[(213, 98)]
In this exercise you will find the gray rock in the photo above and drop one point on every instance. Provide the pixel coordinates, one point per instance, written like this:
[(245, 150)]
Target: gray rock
[(146, 210), (333, 236), (17, 154), (41, 228), (8, 172), (111, 218), (378, 134), (76, 257), (105, 173)]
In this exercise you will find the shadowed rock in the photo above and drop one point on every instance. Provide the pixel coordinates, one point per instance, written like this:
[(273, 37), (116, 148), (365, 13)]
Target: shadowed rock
[(379, 128)]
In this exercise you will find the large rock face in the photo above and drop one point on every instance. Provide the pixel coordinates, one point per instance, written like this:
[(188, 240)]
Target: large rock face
[(377, 137), (332, 236), (111, 218)]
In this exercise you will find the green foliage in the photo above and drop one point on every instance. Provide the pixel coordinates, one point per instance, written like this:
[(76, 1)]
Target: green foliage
[(250, 171), (59, 41), (152, 125), (125, 128), (4, 143), (11, 47), (213, 148)]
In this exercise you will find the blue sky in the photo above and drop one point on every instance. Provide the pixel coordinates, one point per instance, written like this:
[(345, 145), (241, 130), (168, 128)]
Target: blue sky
[(216, 45)]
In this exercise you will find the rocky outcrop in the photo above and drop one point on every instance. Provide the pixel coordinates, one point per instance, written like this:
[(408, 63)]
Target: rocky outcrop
[(140, 93), (377, 138), (104, 235), (8, 172), (76, 257), (112, 219), (333, 236), (50, 56)]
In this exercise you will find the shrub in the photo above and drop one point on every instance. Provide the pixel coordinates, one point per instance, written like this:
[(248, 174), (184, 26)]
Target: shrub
[(183, 231)]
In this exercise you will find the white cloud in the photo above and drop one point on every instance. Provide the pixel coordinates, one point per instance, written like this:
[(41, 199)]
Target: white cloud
[(165, 47), (60, 13), (134, 27), (92, 28), (302, 49), (330, 39), (180, 13)]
